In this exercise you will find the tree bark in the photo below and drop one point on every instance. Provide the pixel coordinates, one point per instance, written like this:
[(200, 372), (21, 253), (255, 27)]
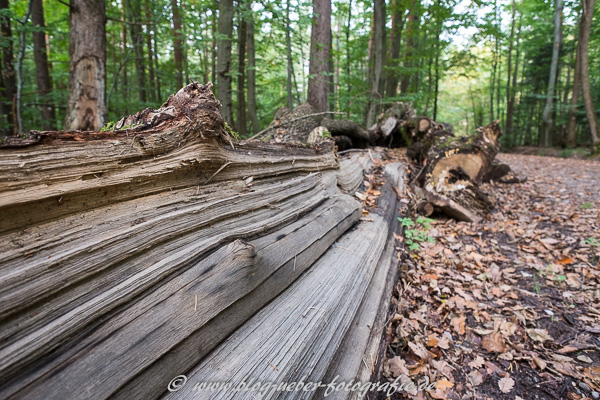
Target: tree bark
[(288, 52), (42, 72), (224, 59), (150, 27), (586, 23), (548, 123), (410, 43), (8, 72), (252, 74), (397, 11), (509, 95), (320, 52), (241, 95), (137, 40), (377, 62), (125, 54), (572, 127), (87, 65), (177, 44)]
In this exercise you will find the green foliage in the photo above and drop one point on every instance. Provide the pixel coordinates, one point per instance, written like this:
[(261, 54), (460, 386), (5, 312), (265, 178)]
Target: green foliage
[(417, 235), (109, 126), (592, 242), (587, 206)]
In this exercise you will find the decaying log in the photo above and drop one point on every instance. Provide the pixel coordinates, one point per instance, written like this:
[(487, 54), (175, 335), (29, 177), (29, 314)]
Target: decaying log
[(130, 255), (296, 126), (455, 167)]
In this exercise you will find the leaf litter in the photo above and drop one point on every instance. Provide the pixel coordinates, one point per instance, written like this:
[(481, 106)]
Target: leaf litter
[(508, 308)]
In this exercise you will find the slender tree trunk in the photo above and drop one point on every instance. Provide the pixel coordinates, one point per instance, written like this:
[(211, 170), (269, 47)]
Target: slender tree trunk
[(348, 51), (213, 27), (42, 73), (397, 11), (572, 127), (320, 49), (150, 26), (547, 118), (87, 65), (224, 59), (437, 80), (177, 44), (125, 55), (8, 72), (515, 75), (156, 65), (586, 23), (509, 94), (241, 94), (378, 61), (288, 51), (137, 39), (252, 75), (412, 23), (21, 56)]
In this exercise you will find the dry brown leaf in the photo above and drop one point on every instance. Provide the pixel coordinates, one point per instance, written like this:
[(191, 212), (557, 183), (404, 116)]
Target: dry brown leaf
[(477, 362), (539, 335), (506, 384), (398, 367), (494, 343), (458, 324), (444, 384), (475, 378)]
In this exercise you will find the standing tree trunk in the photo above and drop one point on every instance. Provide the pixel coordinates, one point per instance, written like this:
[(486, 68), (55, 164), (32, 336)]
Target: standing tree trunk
[(241, 94), (150, 27), (586, 23), (288, 51), (137, 39), (224, 59), (177, 45), (87, 65), (509, 95), (320, 52), (125, 54), (42, 72), (572, 128), (397, 11), (378, 61), (252, 74), (8, 72), (547, 118), (410, 43)]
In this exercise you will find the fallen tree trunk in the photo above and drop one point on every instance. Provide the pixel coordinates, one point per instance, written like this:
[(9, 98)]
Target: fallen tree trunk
[(455, 166), (130, 255)]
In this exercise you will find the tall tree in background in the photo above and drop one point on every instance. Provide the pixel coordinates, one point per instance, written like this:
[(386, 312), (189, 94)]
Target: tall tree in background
[(224, 59), (572, 127), (42, 73), (288, 52), (510, 91), (397, 12), (252, 73), (410, 44), (547, 118), (320, 53), (241, 94), (178, 44), (586, 24), (87, 69), (377, 61), (8, 71), (150, 27), (133, 8)]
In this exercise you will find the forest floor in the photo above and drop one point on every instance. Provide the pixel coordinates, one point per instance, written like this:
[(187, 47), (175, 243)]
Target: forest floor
[(508, 308)]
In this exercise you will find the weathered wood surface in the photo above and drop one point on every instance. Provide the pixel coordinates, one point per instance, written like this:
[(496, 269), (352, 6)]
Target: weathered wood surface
[(297, 334), (132, 254)]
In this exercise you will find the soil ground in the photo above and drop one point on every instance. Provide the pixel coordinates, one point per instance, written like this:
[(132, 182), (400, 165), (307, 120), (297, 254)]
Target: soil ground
[(508, 308)]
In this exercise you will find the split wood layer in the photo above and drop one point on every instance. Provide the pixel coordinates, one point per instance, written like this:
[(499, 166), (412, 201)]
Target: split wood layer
[(131, 256)]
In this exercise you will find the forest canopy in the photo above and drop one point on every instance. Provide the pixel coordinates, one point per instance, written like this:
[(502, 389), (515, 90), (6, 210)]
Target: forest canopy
[(532, 64)]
